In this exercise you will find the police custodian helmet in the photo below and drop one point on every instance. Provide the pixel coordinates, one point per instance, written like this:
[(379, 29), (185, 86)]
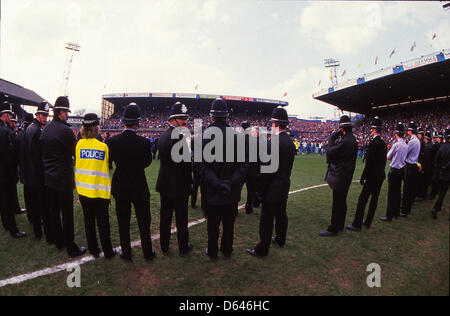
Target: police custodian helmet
[(345, 121), (131, 115), (90, 119), (280, 116), (412, 126), (400, 130), (377, 124), (6, 108), (43, 108), (62, 104), (178, 111), (219, 109)]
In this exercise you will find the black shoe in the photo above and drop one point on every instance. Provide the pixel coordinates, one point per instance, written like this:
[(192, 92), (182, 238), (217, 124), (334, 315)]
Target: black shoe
[(112, 255), (353, 228), (275, 242), (434, 213), (20, 211), (126, 258), (188, 249), (18, 235), (213, 258), (78, 252), (386, 219), (327, 233), (403, 215), (252, 252), (152, 256)]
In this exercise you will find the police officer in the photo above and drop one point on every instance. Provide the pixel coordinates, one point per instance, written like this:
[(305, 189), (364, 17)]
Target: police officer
[(421, 177), (174, 182), (438, 136), (93, 184), (34, 175), (341, 157), (442, 165), (58, 151), (131, 154), (8, 169), (372, 177), (196, 178), (412, 170), (397, 155), (275, 188), (13, 129), (221, 182), (22, 158), (427, 166)]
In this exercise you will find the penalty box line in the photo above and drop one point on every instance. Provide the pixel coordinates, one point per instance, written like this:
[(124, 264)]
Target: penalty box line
[(70, 265)]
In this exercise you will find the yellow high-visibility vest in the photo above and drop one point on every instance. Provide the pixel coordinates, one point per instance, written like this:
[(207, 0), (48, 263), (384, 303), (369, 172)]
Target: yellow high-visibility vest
[(92, 176)]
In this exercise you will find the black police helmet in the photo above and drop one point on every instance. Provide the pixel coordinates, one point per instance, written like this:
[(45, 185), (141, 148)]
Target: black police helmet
[(131, 115), (62, 104), (412, 126), (43, 108), (280, 116), (219, 109), (377, 123), (90, 119), (178, 110), (6, 107), (345, 121), (400, 130)]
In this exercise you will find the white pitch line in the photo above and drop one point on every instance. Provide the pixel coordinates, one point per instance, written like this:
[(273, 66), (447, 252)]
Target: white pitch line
[(69, 265)]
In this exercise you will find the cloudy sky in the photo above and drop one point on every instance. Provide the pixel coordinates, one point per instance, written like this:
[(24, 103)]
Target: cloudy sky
[(251, 48)]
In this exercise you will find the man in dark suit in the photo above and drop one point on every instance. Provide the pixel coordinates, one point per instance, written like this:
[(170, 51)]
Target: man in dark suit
[(275, 188), (131, 154), (34, 175), (372, 177), (341, 157), (175, 180), (221, 181), (58, 149), (8, 170)]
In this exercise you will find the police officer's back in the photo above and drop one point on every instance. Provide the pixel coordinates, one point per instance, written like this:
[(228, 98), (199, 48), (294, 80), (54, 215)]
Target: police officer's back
[(131, 154)]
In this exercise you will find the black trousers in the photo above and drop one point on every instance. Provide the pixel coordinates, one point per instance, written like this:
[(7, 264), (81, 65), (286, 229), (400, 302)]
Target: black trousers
[(16, 204), (269, 213), (395, 179), (96, 211), (410, 188), (141, 204), (425, 186), (7, 208), (195, 186), (168, 207), (61, 212), (227, 216), (370, 190), (251, 184), (339, 211), (443, 188), (27, 198), (434, 188), (40, 210)]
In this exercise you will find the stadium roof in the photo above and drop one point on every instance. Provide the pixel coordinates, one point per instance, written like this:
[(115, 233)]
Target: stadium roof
[(122, 99), (18, 95), (415, 81)]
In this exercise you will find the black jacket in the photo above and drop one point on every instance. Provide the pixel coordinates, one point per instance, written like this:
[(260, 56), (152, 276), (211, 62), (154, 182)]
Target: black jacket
[(131, 154), (436, 147), (174, 179), (221, 181), (428, 162), (442, 163), (376, 157), (341, 157), (58, 150), (8, 161), (275, 186), (34, 168)]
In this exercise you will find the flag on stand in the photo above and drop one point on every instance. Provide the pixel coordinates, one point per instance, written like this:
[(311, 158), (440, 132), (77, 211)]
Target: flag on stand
[(434, 36), (285, 95), (196, 87), (413, 46), (376, 61), (320, 81), (393, 52)]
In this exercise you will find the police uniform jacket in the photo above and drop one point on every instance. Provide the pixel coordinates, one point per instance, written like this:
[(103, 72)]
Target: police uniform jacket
[(217, 175), (436, 147), (8, 165), (375, 166), (428, 162), (58, 151), (34, 168), (174, 179), (20, 151), (341, 157), (442, 163), (275, 186), (131, 154)]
